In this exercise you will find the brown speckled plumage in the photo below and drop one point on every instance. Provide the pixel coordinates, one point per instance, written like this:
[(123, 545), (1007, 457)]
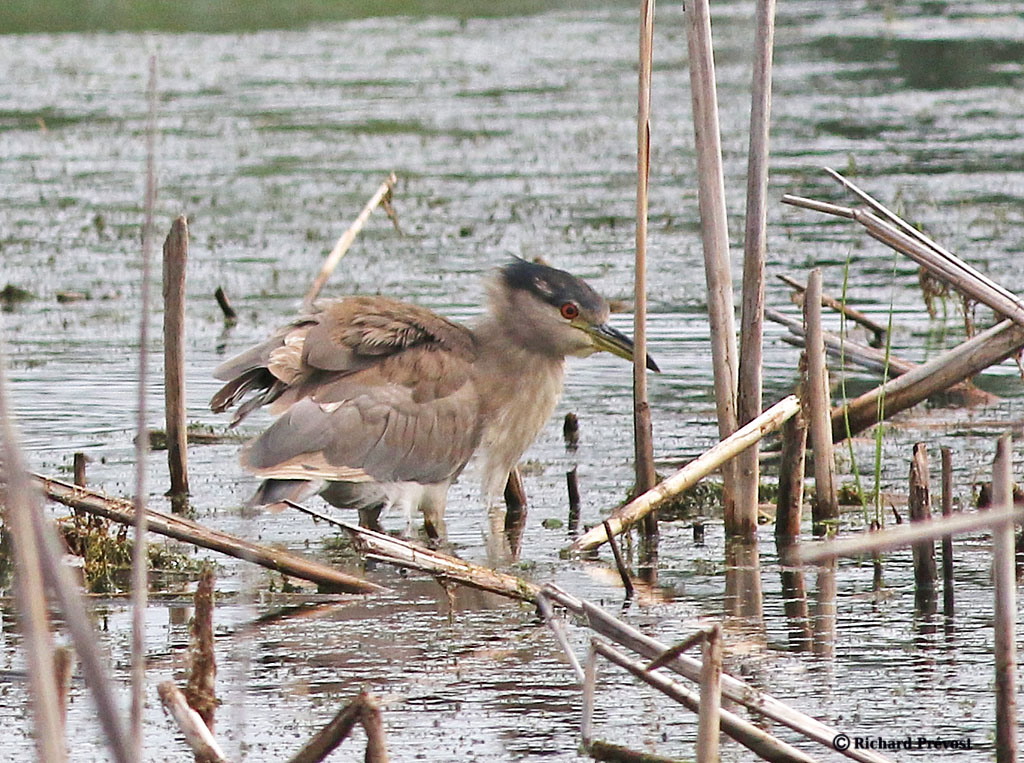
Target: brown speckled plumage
[(383, 402)]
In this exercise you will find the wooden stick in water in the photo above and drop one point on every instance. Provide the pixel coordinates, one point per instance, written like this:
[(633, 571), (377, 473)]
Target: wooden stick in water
[(732, 688), (920, 505), (373, 725), (714, 236), (825, 507), (905, 535), (199, 738), (789, 509), (749, 394), (175, 261), (756, 740), (346, 239), (642, 429), (991, 346), (708, 729), (947, 540), (230, 316), (555, 627), (619, 565), (831, 302), (691, 474), (201, 689), (1005, 577)]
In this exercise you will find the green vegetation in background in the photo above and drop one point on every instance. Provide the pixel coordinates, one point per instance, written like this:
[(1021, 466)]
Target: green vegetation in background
[(27, 16)]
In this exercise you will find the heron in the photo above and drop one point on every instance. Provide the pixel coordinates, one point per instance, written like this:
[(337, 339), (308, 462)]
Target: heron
[(381, 403)]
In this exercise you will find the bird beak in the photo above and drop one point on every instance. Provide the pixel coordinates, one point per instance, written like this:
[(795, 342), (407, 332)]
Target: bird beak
[(612, 340)]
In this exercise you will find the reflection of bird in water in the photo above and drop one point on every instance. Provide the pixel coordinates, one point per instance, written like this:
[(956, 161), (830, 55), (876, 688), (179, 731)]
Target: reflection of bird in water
[(382, 403)]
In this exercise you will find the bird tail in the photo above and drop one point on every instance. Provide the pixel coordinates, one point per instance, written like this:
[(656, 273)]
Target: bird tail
[(274, 492)]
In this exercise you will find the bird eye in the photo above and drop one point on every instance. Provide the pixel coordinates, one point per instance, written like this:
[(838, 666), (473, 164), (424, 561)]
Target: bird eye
[(570, 310)]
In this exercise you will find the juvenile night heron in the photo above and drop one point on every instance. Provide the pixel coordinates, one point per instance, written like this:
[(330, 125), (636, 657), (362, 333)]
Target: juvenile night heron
[(383, 403)]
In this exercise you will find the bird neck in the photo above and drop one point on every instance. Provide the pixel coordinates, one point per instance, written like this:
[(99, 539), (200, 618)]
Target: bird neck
[(519, 389)]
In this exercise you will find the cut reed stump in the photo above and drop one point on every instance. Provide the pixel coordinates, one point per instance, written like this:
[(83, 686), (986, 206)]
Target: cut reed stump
[(920, 505), (947, 540), (627, 515), (201, 689), (825, 507), (230, 316), (364, 710), (175, 261), (789, 506), (188, 531), (1005, 577), (708, 724)]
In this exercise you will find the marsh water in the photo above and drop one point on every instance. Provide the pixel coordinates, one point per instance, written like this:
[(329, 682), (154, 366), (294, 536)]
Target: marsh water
[(512, 133)]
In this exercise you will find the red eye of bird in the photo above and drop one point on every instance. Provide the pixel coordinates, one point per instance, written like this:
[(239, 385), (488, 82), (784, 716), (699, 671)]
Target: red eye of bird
[(570, 310)]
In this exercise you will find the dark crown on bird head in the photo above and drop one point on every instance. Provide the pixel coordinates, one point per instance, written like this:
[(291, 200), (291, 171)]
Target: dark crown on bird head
[(551, 285)]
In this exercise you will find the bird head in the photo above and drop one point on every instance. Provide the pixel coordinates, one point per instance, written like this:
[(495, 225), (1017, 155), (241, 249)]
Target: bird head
[(550, 311)]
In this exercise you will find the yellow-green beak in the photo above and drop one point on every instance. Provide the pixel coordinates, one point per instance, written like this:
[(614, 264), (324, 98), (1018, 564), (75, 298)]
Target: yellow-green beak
[(612, 340)]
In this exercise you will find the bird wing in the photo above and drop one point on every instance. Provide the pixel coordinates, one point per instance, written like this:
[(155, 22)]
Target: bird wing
[(412, 416), (341, 337)]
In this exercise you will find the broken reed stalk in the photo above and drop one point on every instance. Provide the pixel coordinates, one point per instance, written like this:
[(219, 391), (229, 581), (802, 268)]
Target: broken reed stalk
[(691, 474), (732, 688), (373, 725), (789, 507), (825, 507), (198, 737), (619, 564), (405, 554), (346, 239), (589, 687), (708, 727), (947, 540), (902, 237), (642, 428), (714, 236), (331, 735), (555, 626), (831, 302), (1005, 578), (140, 572), (987, 348), (905, 535), (174, 269), (843, 348), (201, 688), (17, 496), (920, 505), (756, 740), (180, 528), (749, 394), (230, 316), (953, 262), (79, 469), (573, 486)]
